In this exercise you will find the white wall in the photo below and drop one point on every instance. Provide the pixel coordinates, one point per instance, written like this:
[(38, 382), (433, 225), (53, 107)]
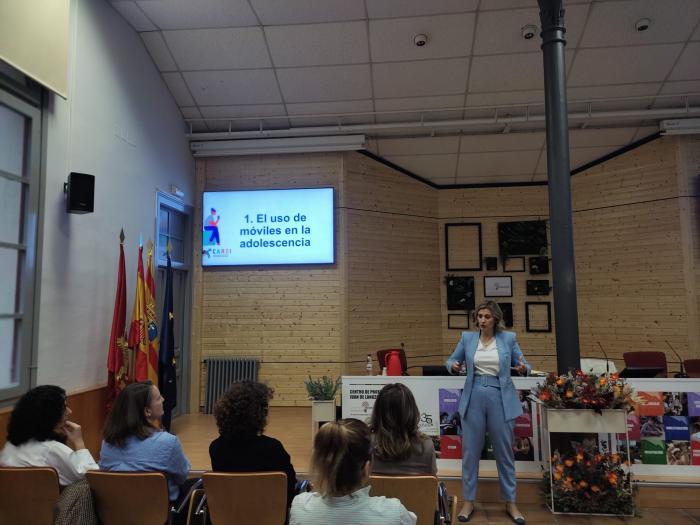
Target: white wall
[(121, 124)]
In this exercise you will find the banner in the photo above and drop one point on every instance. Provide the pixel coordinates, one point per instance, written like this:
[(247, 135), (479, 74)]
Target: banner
[(118, 355)]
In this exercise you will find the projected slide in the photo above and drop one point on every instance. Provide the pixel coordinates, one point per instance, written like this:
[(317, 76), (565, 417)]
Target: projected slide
[(260, 227)]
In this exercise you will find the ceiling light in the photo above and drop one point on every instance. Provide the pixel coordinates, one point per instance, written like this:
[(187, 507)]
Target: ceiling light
[(642, 24), (225, 148), (680, 126), (420, 40), (528, 31)]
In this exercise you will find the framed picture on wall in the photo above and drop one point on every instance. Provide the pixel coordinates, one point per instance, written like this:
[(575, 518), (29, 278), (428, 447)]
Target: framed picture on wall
[(537, 287), (513, 264), (539, 265), (507, 309), (463, 247), (460, 293), (458, 321), (501, 286), (538, 317), (491, 263)]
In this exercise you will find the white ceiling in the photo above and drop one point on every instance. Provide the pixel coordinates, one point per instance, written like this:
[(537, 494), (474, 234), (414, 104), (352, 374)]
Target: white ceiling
[(279, 64)]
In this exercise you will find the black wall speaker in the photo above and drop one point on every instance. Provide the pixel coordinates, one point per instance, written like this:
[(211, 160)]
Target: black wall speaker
[(80, 193)]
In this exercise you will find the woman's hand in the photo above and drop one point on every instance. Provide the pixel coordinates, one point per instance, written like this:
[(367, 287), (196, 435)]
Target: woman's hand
[(521, 368), (456, 367), (74, 435)]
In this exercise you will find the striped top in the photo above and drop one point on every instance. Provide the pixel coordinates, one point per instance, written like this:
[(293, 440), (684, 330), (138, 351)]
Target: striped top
[(358, 508)]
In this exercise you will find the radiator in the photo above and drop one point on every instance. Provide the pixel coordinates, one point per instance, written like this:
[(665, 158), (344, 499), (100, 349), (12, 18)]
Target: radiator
[(222, 372)]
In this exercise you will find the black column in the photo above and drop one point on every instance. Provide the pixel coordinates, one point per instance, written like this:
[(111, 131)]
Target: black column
[(558, 171)]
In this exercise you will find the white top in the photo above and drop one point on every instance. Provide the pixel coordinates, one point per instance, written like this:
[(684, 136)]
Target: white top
[(70, 464), (486, 359), (310, 508)]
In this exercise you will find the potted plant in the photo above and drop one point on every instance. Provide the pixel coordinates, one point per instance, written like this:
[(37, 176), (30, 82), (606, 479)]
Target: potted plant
[(322, 395)]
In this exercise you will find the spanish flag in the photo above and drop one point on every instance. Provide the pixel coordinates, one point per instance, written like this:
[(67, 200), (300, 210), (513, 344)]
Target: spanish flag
[(151, 324), (118, 357), (138, 338)]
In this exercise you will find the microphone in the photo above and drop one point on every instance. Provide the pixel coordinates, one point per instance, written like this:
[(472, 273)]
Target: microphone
[(607, 362), (680, 361)]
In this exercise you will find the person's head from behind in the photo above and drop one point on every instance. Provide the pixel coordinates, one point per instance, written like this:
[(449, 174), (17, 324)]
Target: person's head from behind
[(242, 410), (394, 422), (136, 412), (40, 414), (489, 316), (341, 457)]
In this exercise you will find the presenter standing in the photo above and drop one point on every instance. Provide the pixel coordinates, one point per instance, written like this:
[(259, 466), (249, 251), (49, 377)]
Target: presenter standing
[(489, 402)]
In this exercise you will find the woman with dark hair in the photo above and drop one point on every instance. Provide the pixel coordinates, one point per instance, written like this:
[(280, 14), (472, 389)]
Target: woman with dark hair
[(341, 463), (133, 441), (489, 402), (398, 446), (40, 435), (241, 415)]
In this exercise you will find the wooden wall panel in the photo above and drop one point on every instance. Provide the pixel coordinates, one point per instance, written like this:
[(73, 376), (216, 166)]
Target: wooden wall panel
[(288, 317), (393, 293)]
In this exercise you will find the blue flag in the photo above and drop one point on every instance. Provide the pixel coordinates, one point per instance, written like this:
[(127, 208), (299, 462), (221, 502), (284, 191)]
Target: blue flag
[(167, 375)]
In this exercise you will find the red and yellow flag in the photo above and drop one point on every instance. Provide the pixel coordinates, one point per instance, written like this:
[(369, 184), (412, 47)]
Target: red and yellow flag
[(151, 324), (118, 356), (138, 338)]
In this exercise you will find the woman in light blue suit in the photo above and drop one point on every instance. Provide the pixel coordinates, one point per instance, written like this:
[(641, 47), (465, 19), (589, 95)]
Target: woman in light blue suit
[(489, 402)]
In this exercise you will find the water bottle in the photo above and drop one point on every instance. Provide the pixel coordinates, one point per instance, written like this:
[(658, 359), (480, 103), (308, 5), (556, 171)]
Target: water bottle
[(384, 371), (369, 365)]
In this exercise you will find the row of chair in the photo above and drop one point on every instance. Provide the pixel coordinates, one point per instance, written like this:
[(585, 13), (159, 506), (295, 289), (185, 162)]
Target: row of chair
[(29, 495), (658, 360)]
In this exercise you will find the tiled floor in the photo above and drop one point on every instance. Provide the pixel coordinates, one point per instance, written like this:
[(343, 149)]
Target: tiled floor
[(535, 514)]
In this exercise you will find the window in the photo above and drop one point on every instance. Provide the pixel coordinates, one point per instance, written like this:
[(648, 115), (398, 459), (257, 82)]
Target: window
[(20, 138), (172, 227)]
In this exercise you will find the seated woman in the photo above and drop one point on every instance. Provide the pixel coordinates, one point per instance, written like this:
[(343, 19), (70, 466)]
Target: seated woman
[(341, 464), (241, 415), (133, 441), (398, 446), (40, 435)]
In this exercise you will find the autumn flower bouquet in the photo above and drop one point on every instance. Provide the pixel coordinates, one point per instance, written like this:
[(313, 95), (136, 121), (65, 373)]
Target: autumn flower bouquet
[(581, 390), (590, 483)]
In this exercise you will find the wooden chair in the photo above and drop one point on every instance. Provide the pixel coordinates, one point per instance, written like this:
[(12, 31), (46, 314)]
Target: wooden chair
[(419, 494), (28, 495), (247, 497), (647, 359), (692, 367), (130, 498)]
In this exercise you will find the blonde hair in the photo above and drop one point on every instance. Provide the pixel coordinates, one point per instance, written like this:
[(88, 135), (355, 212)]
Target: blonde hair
[(496, 312), (394, 423), (341, 450)]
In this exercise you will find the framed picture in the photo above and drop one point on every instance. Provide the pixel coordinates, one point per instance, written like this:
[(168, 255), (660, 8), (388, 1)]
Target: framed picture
[(513, 264), (507, 309), (458, 321), (539, 265), (491, 263), (537, 287), (538, 317), (460, 293), (463, 247), (501, 286)]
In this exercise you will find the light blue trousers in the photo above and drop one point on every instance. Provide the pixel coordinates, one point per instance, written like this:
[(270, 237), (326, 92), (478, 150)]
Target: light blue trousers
[(485, 413)]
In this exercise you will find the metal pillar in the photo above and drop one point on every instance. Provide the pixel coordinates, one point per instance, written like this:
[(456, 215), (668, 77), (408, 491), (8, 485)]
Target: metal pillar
[(558, 170)]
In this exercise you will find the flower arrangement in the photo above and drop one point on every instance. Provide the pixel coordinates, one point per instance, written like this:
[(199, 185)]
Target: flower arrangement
[(578, 389), (589, 482), (323, 389)]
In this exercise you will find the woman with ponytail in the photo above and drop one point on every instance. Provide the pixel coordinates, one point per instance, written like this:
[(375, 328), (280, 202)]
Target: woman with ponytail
[(341, 463)]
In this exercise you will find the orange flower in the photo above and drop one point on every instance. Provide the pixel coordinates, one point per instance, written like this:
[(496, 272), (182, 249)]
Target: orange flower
[(612, 479), (603, 381), (544, 396), (579, 457), (595, 488), (569, 462), (582, 484), (557, 476), (560, 468), (560, 381), (569, 394)]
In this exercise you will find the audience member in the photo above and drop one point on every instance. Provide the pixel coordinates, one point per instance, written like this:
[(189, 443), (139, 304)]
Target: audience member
[(341, 464), (39, 434), (398, 446), (133, 441), (241, 415)]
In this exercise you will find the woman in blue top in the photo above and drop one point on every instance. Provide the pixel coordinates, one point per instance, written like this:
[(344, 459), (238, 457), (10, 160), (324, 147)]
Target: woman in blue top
[(134, 442), (489, 402)]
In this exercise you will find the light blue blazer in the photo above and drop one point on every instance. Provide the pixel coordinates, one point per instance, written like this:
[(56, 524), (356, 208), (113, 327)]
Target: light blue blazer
[(509, 355)]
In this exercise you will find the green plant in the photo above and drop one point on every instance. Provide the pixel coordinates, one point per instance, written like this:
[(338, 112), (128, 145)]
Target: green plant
[(323, 389)]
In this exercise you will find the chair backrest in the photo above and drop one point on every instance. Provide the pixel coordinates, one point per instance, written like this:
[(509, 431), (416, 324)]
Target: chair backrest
[(381, 358), (692, 367), (647, 359), (597, 366), (130, 498), (246, 497), (419, 494), (28, 495)]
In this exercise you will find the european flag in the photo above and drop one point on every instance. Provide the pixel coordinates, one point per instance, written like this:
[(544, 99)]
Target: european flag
[(167, 375)]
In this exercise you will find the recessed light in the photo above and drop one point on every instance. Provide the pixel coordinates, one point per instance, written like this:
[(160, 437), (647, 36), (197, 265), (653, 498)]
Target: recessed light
[(642, 24), (420, 40)]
